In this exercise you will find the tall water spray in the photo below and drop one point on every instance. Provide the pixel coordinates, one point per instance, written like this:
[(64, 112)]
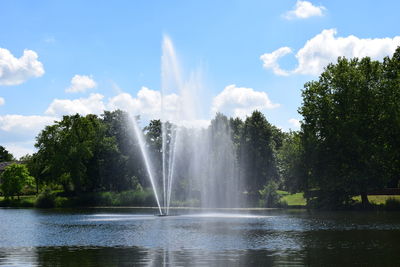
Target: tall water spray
[(205, 157), (146, 159), (201, 158)]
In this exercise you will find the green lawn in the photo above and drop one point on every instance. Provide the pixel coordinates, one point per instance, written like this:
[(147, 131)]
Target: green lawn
[(377, 199), (292, 199), (299, 200)]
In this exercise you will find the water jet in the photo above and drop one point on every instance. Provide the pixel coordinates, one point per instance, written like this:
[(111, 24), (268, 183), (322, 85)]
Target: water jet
[(190, 154)]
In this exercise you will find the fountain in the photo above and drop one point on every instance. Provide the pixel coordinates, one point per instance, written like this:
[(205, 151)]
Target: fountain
[(201, 157)]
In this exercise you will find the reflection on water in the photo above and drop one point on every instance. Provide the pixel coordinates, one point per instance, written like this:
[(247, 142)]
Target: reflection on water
[(118, 237), (129, 256)]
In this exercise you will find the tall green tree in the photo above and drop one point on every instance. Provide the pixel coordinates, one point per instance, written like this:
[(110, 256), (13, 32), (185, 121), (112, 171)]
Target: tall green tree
[(257, 155), (345, 133), (14, 178), (289, 158), (122, 162), (66, 151)]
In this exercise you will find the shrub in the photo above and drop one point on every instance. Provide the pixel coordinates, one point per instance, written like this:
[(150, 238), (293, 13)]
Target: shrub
[(134, 198), (63, 202), (15, 179), (46, 199), (269, 195), (392, 204)]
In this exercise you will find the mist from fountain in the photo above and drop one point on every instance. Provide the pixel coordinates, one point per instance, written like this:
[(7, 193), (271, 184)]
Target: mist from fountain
[(203, 158), (146, 159)]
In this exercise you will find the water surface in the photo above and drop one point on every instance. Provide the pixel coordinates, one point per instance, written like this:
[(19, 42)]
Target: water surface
[(124, 237)]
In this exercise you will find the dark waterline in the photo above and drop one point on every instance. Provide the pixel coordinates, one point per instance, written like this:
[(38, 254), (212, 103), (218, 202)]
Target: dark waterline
[(115, 237)]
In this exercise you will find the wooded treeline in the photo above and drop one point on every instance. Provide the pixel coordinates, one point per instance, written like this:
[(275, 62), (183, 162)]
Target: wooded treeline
[(348, 145)]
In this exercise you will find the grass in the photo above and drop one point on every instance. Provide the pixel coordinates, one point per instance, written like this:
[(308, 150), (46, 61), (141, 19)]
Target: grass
[(134, 199), (24, 201), (377, 199), (299, 200), (296, 199)]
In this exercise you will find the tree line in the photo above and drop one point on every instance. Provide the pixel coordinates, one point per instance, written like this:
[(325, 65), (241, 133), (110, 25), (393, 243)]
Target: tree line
[(348, 144)]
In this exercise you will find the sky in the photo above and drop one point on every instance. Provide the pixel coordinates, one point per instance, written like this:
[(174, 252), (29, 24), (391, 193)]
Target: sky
[(65, 57)]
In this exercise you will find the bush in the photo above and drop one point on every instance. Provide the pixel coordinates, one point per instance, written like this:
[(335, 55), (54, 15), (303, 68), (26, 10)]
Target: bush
[(94, 199), (392, 204), (23, 203), (50, 199), (63, 202), (134, 198), (269, 195), (46, 199), (15, 179)]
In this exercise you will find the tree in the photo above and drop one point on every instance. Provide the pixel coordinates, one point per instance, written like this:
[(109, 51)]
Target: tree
[(68, 152), (5, 155), (257, 154), (289, 162), (14, 178), (123, 164), (350, 115)]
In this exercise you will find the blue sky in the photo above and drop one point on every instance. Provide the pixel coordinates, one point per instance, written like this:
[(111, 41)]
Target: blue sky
[(252, 54)]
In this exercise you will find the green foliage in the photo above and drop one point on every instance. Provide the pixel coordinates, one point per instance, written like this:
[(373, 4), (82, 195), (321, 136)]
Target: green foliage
[(83, 155), (24, 201), (392, 204), (5, 155), (46, 199), (351, 124), (257, 158), (63, 202), (296, 199), (134, 198), (269, 195), (14, 179), (289, 162)]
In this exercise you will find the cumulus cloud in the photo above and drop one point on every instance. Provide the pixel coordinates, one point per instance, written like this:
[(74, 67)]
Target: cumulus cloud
[(270, 61), (90, 105), (325, 48), (14, 71), (18, 132), (295, 123), (147, 103), (24, 124), (19, 149), (240, 101), (303, 10), (80, 84), (2, 101)]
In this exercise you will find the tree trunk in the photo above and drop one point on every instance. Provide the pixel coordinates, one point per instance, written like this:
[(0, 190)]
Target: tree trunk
[(364, 200)]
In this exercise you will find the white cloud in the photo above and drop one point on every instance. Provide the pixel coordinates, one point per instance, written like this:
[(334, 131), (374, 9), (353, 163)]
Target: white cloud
[(18, 132), (19, 149), (2, 101), (270, 61), (240, 101), (14, 71), (90, 105), (325, 48), (23, 124), (80, 84), (295, 123), (303, 10), (147, 103)]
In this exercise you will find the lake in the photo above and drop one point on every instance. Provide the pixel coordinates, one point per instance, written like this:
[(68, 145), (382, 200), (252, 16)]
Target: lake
[(126, 237)]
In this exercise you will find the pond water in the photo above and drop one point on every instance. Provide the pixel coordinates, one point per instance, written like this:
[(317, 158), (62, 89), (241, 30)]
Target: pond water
[(126, 237)]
